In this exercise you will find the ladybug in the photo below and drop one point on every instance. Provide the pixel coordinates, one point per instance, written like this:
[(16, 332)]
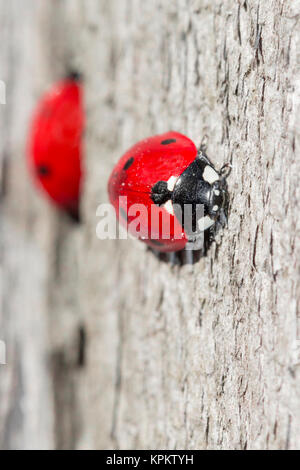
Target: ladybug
[(55, 151), (163, 174)]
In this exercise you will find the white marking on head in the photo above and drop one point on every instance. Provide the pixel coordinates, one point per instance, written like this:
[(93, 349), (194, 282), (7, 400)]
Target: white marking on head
[(210, 175), (215, 208), (169, 207), (217, 192), (205, 222), (171, 182)]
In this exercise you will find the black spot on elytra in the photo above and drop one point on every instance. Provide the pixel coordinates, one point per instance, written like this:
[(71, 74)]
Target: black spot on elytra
[(128, 163), (43, 170), (156, 243), (123, 213), (168, 141)]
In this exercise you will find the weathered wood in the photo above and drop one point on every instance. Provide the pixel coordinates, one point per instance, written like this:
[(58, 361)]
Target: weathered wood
[(37, 317), (108, 345), (198, 356)]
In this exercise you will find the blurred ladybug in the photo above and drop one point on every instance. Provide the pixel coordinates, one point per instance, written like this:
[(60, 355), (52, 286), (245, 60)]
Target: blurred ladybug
[(163, 174), (55, 150)]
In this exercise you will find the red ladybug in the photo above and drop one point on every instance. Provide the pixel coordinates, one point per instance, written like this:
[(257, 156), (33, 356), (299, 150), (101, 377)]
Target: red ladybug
[(162, 174), (55, 150)]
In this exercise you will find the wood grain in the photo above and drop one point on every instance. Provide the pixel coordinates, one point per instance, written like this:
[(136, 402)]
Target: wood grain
[(110, 346)]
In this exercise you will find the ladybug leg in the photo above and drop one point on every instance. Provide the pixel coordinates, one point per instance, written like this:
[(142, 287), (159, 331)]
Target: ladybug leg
[(196, 242), (188, 254), (222, 218), (220, 223), (211, 235), (172, 257), (225, 170)]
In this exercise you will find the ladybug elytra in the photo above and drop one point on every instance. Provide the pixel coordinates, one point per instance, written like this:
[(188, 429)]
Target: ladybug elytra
[(55, 150)]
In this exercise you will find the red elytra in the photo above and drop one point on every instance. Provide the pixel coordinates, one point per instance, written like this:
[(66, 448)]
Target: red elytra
[(141, 167), (55, 149)]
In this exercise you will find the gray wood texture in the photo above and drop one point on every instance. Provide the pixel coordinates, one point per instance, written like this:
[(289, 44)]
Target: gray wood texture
[(110, 346)]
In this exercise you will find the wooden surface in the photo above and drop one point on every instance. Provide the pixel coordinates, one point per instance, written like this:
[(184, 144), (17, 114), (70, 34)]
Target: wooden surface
[(110, 346)]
